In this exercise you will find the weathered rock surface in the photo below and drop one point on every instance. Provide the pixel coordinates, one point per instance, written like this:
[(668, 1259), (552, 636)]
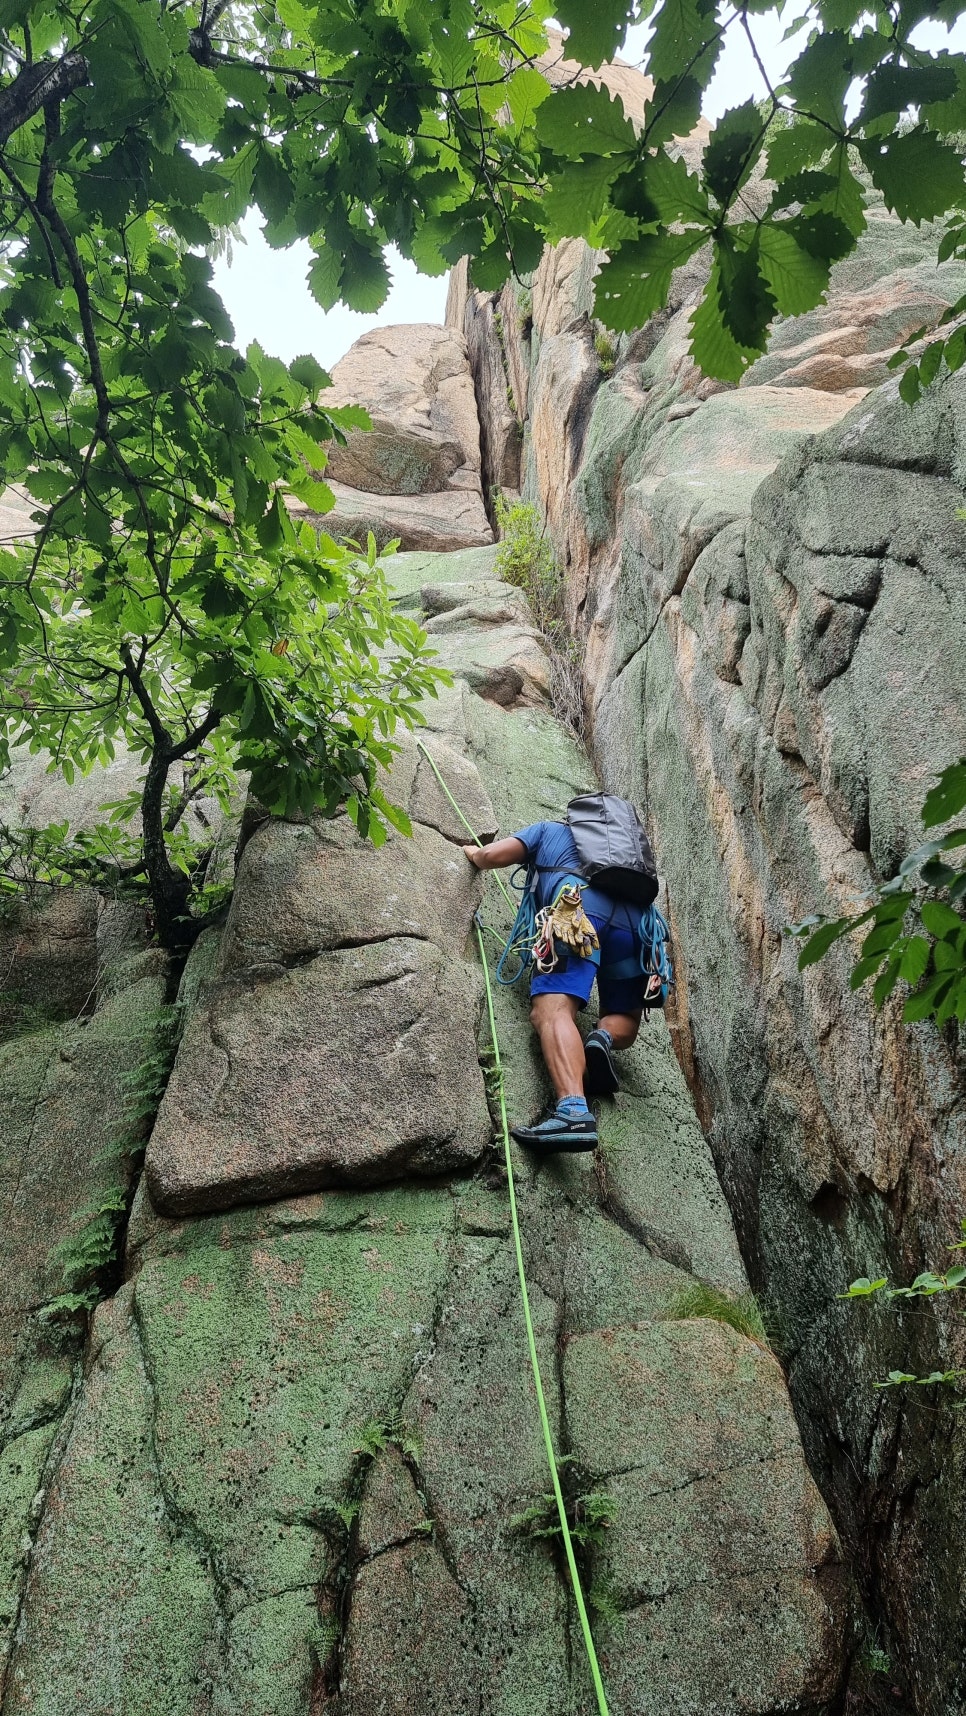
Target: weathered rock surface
[(289, 1480), (415, 383), (769, 585), (416, 474), (67, 1136), (336, 1043)]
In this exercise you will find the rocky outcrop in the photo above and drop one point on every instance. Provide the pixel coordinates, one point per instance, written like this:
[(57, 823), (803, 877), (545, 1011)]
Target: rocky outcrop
[(334, 955), (416, 475), (291, 1479), (768, 583)]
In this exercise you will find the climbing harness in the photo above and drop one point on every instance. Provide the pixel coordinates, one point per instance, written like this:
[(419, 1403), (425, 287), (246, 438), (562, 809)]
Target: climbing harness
[(524, 1293)]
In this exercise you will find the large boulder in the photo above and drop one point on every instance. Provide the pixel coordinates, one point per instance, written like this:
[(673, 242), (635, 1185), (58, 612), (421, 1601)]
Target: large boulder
[(416, 474), (336, 1043)]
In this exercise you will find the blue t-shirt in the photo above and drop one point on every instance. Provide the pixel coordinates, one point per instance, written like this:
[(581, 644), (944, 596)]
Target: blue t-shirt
[(550, 845)]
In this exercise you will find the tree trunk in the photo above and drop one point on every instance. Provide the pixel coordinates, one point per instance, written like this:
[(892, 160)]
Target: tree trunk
[(169, 888)]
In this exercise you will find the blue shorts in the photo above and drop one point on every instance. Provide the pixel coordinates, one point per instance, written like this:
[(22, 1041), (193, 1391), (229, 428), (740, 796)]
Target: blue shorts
[(575, 976)]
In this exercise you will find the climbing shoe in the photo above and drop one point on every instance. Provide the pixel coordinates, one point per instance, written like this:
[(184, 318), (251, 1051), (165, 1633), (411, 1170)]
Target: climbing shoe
[(600, 1078), (564, 1129)]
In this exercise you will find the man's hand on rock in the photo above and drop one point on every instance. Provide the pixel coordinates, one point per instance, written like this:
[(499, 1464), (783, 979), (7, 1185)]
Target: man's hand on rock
[(472, 853)]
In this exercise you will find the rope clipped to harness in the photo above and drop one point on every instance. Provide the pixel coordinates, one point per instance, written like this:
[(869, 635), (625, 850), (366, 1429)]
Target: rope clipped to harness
[(655, 959), (520, 942)]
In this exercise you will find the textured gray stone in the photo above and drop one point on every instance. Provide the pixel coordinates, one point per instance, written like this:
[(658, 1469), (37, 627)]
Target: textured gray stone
[(769, 586), (416, 474), (336, 1041), (307, 1422)]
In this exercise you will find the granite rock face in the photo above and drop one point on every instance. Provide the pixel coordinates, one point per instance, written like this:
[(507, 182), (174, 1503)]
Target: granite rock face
[(769, 584), (289, 1481), (416, 474), (336, 1043)]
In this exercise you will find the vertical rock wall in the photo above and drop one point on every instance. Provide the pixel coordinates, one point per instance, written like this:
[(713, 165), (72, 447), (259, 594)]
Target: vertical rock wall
[(288, 1479), (770, 587)]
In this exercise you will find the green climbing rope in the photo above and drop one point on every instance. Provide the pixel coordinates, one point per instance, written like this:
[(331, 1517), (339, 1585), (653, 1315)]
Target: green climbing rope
[(471, 831), (524, 1293), (534, 1361)]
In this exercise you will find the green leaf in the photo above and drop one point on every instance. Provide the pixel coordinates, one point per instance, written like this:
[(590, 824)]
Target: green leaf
[(893, 88), (365, 278), (929, 363), (732, 150), (884, 984), (924, 1003), (801, 144), (270, 529), (821, 75), (940, 920), (579, 195), (596, 28), (673, 110), (819, 943), (747, 302), (662, 191), (882, 937), (491, 268), (634, 284), (584, 120), (798, 280), (324, 276), (308, 372), (915, 959), (525, 91), (948, 797), (955, 349), (918, 174), (272, 185), (686, 42), (317, 496)]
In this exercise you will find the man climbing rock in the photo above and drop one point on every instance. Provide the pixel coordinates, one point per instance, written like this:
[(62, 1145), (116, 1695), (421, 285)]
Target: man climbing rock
[(584, 929)]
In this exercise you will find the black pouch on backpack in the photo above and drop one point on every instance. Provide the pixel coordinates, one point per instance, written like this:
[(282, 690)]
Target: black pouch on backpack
[(614, 851)]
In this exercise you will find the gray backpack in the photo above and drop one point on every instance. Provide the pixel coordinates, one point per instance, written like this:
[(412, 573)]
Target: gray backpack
[(615, 853)]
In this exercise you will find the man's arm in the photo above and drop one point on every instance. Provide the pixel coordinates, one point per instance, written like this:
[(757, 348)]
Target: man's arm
[(498, 855)]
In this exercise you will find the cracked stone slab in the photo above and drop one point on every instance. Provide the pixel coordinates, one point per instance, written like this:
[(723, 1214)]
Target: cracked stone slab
[(403, 1596), (687, 1425), (336, 1072), (450, 520), (194, 1519), (110, 1565), (335, 1043)]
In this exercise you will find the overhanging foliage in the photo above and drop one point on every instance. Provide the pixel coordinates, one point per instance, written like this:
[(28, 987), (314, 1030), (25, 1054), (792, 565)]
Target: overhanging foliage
[(166, 599)]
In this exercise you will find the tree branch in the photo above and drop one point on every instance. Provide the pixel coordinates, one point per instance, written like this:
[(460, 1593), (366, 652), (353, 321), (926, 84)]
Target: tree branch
[(47, 81), (197, 737), (159, 732)]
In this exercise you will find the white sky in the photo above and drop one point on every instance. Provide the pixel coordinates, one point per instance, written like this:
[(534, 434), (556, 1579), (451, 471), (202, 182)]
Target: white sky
[(265, 291)]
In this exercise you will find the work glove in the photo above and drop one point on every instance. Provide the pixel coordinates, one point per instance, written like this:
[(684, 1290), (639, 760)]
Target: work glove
[(571, 925)]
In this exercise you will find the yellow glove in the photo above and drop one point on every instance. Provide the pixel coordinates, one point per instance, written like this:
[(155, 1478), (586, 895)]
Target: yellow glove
[(571, 925)]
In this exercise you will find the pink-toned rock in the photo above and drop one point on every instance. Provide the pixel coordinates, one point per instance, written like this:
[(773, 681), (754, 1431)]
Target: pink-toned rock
[(415, 383), (441, 522)]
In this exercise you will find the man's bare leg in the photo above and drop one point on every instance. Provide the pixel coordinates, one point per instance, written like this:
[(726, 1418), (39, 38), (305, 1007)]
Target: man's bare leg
[(554, 1018), (623, 1027)]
